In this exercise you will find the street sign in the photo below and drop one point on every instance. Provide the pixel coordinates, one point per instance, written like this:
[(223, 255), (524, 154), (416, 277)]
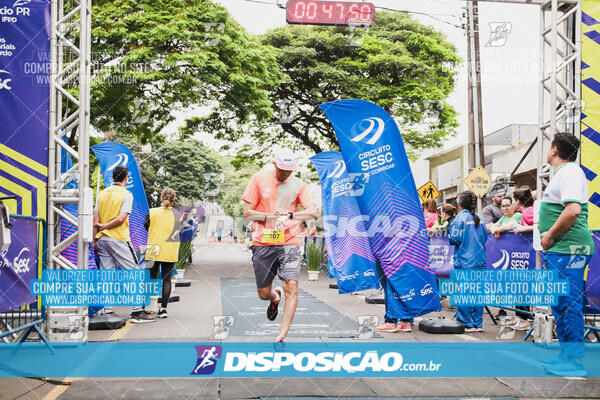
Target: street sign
[(478, 181), (318, 12), (428, 191)]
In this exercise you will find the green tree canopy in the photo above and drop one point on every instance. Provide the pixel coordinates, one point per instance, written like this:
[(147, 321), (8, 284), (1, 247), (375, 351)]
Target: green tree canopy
[(152, 57), (401, 65), (188, 167)]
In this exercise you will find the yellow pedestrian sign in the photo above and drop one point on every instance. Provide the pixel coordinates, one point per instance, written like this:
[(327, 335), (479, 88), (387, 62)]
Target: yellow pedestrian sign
[(478, 181), (428, 191)]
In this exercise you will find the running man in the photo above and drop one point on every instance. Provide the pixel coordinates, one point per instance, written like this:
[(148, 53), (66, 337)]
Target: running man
[(568, 247), (271, 201), (111, 233)]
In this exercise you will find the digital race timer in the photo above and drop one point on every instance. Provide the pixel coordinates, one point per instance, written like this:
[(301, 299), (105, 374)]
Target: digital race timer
[(317, 12)]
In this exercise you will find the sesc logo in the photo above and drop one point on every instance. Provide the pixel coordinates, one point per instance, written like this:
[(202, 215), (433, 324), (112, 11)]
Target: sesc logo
[(513, 260), (207, 359), (373, 122), (338, 171), (5, 80), (427, 289), (502, 263)]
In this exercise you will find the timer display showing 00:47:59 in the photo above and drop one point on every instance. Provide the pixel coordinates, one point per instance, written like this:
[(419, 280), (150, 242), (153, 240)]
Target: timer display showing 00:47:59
[(330, 12)]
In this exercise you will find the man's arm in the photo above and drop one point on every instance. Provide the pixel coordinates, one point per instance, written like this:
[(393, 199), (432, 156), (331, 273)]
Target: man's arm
[(310, 213), (95, 229), (251, 214), (566, 219), (114, 222)]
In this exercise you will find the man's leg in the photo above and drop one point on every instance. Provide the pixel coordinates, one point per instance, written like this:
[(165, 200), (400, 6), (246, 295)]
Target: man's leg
[(290, 260), (107, 261), (290, 288), (265, 262), (568, 314)]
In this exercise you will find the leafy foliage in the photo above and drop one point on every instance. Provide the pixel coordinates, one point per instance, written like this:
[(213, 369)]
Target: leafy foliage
[(153, 57), (403, 66), (188, 167)]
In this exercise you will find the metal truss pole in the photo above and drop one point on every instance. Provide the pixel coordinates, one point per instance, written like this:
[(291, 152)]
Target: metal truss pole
[(560, 79), (69, 117), (70, 53)]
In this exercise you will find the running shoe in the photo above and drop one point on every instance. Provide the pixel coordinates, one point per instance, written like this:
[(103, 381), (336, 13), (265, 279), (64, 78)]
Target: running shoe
[(478, 329), (389, 327), (404, 326), (470, 330), (142, 317), (273, 308), (162, 313)]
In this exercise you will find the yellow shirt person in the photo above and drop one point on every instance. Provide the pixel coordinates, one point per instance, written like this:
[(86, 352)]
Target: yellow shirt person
[(163, 244)]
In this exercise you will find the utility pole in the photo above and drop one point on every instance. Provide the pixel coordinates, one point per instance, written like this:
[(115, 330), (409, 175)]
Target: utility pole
[(478, 82), (471, 125), (476, 145)]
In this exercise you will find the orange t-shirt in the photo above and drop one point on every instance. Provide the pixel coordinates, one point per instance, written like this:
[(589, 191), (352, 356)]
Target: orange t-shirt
[(266, 194)]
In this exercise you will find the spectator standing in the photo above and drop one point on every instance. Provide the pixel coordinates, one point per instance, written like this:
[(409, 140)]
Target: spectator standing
[(524, 204), (468, 233), (430, 213), (111, 233), (447, 216), (493, 212), (568, 247), (509, 220), (163, 245)]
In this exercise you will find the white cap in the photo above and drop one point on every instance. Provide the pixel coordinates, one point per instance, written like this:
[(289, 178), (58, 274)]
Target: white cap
[(285, 159)]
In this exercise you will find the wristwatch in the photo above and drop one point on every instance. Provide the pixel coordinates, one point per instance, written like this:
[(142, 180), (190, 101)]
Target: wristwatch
[(291, 215)]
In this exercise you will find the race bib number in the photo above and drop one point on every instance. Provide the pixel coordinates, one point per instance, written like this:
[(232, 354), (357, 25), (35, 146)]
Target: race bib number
[(272, 236)]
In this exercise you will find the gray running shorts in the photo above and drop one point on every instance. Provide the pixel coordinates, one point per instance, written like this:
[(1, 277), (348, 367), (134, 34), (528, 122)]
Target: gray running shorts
[(269, 261)]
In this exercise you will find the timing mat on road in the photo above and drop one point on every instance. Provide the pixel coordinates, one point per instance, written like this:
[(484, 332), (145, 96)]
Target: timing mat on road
[(313, 319)]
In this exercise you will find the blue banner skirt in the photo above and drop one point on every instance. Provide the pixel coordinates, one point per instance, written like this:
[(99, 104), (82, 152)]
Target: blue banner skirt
[(349, 255), (372, 147)]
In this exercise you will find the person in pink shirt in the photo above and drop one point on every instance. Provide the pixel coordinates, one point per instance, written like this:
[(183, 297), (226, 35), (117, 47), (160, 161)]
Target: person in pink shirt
[(524, 204), (430, 213), (524, 198)]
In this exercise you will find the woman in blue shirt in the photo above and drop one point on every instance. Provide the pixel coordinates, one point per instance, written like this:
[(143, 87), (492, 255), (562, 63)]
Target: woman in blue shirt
[(468, 234)]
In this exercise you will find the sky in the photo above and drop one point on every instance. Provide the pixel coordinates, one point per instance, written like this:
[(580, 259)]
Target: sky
[(509, 72)]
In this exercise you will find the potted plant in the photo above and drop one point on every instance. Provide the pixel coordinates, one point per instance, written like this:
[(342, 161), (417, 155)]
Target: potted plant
[(314, 259), (185, 250)]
